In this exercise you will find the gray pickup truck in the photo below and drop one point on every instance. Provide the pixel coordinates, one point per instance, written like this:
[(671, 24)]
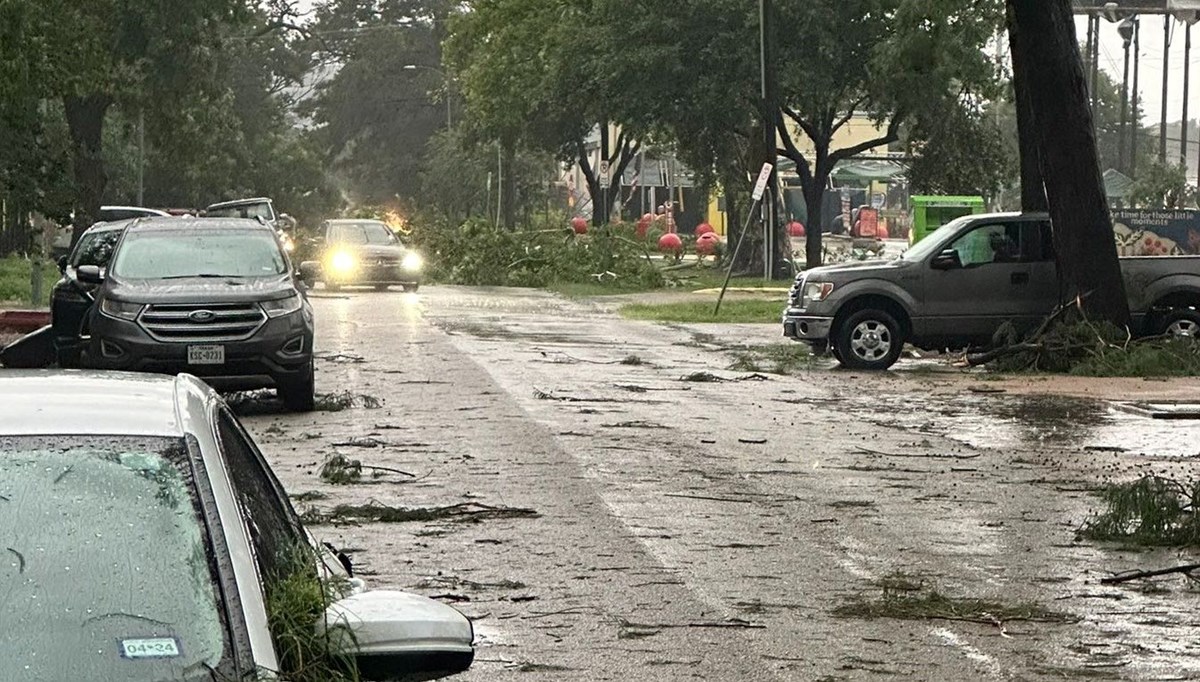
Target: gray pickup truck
[(954, 289)]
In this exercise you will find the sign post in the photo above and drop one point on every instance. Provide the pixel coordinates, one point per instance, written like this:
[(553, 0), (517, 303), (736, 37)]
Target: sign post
[(760, 188)]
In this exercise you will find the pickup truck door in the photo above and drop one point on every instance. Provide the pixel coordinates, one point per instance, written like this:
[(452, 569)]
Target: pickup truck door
[(993, 283)]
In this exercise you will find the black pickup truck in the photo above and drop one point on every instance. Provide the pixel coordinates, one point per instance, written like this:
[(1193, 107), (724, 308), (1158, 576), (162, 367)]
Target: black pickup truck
[(955, 288)]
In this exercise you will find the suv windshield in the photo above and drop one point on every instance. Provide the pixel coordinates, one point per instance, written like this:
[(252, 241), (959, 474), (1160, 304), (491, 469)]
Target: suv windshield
[(106, 572), (259, 210), (175, 254), (362, 233)]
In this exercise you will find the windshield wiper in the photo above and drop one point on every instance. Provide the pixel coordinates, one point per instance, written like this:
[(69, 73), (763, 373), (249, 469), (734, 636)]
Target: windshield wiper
[(205, 275)]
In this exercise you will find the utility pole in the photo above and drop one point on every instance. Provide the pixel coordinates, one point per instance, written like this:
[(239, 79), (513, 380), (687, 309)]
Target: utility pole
[(1136, 128), (141, 175), (1162, 129), (769, 206), (1187, 69), (1126, 31)]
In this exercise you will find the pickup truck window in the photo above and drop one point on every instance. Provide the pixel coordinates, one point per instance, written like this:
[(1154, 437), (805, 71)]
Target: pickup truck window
[(362, 233), (1016, 242)]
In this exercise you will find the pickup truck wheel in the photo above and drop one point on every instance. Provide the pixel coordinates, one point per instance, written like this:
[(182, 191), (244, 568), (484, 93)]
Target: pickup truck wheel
[(869, 339), (299, 395), (1182, 323), (411, 288)]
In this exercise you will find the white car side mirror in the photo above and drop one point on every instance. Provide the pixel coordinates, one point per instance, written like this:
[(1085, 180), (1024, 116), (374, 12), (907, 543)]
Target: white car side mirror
[(398, 636)]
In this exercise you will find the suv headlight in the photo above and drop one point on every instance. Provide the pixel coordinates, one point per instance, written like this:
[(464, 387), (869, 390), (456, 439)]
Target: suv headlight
[(412, 261), (815, 292), (122, 310), (282, 306)]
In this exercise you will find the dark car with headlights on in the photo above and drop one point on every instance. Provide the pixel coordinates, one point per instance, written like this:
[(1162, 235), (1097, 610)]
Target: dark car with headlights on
[(71, 299), (363, 253), (217, 298)]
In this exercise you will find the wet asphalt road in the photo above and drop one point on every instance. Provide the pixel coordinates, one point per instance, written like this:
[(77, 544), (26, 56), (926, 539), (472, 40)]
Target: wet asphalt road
[(707, 530)]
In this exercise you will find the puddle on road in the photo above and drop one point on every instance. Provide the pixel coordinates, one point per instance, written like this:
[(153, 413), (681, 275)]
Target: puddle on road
[(1011, 422)]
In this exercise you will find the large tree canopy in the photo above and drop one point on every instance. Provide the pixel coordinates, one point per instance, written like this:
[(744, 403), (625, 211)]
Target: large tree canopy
[(692, 69)]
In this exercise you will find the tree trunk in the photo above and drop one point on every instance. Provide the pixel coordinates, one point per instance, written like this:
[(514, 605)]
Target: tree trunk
[(1033, 189), (1083, 237), (508, 188), (85, 118), (814, 200)]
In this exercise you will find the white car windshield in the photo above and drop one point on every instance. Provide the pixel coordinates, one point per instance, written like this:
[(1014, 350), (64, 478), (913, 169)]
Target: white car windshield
[(106, 572), (176, 254)]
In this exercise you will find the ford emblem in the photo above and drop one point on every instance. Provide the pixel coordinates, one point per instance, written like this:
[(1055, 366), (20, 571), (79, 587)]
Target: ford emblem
[(202, 316)]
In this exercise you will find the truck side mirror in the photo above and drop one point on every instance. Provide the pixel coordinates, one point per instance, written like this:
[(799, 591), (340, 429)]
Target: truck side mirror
[(946, 260)]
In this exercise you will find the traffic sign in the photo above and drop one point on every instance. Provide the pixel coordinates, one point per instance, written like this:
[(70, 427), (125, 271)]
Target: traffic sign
[(764, 176)]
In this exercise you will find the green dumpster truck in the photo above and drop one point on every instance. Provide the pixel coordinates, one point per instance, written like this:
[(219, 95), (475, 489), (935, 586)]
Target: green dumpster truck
[(931, 212)]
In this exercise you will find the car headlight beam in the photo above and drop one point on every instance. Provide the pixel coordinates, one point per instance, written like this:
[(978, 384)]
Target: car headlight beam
[(412, 261), (342, 263)]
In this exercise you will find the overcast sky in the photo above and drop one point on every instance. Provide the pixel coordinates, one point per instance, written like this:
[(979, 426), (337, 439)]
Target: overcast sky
[(1151, 65)]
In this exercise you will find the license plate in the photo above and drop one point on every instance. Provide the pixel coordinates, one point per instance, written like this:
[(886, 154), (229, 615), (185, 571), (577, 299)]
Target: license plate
[(206, 355)]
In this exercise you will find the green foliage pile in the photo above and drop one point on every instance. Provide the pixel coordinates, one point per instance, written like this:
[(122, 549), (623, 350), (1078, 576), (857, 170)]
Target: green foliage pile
[(1091, 349), (296, 602), (1151, 511), (904, 597), (478, 253)]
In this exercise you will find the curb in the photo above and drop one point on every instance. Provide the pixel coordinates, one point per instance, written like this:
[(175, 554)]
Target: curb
[(23, 321)]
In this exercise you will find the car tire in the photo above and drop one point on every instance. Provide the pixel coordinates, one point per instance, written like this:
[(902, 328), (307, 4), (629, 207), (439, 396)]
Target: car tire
[(381, 287), (411, 288), (1182, 322), (299, 395), (869, 339)]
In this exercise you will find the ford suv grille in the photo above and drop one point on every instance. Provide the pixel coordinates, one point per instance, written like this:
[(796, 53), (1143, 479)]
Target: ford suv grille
[(189, 322)]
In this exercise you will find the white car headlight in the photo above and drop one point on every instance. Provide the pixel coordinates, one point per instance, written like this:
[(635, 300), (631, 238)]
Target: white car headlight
[(343, 263), (122, 310), (412, 261), (282, 306), (817, 291)]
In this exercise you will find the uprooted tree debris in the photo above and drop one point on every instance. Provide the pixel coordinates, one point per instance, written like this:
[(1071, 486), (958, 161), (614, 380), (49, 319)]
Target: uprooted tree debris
[(907, 598), (1152, 511), (1068, 342), (341, 470), (376, 512)]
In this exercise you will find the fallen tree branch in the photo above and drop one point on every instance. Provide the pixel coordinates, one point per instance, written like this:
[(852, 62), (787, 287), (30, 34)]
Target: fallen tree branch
[(1137, 575)]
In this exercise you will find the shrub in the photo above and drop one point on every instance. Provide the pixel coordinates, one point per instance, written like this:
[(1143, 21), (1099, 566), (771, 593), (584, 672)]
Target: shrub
[(478, 253)]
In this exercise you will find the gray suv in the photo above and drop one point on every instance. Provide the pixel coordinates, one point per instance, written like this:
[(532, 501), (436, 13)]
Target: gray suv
[(217, 298)]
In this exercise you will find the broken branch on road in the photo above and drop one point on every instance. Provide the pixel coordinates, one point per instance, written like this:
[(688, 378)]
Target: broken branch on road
[(376, 512), (1185, 569)]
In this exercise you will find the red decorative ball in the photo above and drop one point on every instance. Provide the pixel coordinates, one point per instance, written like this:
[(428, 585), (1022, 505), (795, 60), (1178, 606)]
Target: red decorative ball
[(706, 244), (579, 224), (796, 228), (670, 243)]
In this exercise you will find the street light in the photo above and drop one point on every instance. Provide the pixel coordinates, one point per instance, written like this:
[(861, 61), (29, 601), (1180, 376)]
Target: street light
[(445, 79)]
